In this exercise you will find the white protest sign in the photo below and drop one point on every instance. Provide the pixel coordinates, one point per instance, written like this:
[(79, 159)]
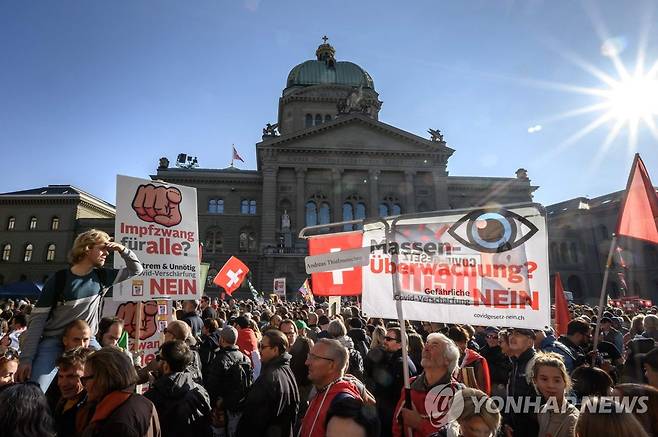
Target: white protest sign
[(280, 287), (155, 317), (486, 266), (158, 222)]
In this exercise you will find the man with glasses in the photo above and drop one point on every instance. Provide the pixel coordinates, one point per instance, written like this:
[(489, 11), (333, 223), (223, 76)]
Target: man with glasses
[(389, 378), (499, 363), (273, 400), (326, 368)]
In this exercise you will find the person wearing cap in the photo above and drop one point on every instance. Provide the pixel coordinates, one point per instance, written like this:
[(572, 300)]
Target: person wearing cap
[(323, 323), (359, 336), (571, 346), (499, 363), (609, 333), (520, 388)]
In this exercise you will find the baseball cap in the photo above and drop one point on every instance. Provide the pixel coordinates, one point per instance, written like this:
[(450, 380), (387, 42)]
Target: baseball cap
[(491, 330), (523, 331), (300, 324)]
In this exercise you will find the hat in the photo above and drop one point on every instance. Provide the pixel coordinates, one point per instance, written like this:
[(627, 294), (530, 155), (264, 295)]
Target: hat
[(491, 330), (523, 331), (300, 324)]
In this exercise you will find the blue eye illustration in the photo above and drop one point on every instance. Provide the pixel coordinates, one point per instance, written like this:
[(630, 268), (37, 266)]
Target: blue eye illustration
[(492, 230)]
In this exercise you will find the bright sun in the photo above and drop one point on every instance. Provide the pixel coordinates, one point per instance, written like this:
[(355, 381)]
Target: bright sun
[(633, 99)]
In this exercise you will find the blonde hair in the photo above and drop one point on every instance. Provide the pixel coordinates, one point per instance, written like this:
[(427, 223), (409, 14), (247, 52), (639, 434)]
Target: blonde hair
[(595, 421), (550, 359), (486, 409), (85, 242), (180, 330), (378, 335)]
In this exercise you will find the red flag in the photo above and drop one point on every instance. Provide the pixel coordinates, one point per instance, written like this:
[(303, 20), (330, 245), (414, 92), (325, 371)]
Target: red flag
[(561, 308), (638, 215), (230, 277), (236, 156), (343, 282)]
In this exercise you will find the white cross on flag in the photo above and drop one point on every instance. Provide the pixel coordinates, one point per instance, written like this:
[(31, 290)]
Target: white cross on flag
[(339, 282), (230, 277)]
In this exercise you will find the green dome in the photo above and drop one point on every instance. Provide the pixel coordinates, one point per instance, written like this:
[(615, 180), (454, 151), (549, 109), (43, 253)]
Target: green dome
[(327, 70)]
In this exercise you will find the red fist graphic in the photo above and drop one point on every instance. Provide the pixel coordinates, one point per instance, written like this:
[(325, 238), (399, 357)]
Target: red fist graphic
[(158, 204), (128, 312)]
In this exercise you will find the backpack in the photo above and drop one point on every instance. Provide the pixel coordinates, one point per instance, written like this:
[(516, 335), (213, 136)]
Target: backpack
[(60, 283), (239, 377)]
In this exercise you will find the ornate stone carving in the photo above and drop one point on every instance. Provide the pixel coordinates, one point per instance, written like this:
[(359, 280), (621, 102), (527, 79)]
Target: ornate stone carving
[(437, 136), (164, 163), (271, 130)]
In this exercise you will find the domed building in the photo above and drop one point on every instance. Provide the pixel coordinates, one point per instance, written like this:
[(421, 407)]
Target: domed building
[(328, 158)]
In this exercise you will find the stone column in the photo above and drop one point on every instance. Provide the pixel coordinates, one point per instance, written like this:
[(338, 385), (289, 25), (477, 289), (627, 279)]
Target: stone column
[(268, 208), (373, 203), (337, 194), (410, 195), (440, 178), (300, 216)]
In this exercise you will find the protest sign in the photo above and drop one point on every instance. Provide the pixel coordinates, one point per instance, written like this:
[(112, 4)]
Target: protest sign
[(280, 287), (342, 275), (158, 222), (487, 266), (153, 320)]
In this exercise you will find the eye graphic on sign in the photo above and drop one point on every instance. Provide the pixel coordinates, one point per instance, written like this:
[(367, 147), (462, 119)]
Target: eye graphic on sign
[(492, 230)]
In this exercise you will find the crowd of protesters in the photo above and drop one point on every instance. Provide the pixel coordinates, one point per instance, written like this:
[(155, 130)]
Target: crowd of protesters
[(263, 368)]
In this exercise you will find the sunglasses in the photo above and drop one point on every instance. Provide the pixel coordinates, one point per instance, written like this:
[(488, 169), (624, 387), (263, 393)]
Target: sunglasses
[(318, 357), (390, 339), (492, 337)]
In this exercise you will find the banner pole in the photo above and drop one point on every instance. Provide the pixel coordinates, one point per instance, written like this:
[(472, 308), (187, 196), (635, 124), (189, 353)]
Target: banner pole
[(597, 331), (138, 326)]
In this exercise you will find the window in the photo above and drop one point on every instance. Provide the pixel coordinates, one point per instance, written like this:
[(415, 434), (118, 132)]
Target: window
[(247, 241), (325, 214), (50, 253), (396, 209), (383, 210), (318, 119), (28, 252), (555, 253), (389, 206), (311, 214), (33, 223), (214, 241), (54, 224), (564, 253), (327, 118), (603, 231), (216, 206), (308, 121), (574, 252), (11, 223), (6, 252), (348, 214), (248, 206)]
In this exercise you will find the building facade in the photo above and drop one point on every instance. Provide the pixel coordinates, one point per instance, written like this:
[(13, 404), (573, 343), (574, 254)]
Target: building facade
[(580, 233)]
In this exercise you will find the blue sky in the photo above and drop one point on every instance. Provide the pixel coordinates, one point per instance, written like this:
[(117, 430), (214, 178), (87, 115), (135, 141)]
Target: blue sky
[(89, 89)]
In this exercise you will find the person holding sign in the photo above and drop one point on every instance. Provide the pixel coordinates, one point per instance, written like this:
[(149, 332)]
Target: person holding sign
[(68, 295)]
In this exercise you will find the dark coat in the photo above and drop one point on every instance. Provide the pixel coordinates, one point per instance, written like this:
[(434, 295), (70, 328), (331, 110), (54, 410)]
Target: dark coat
[(272, 403), (195, 323), (182, 404), (135, 417), (499, 364), (65, 419), (218, 376), (520, 387), (207, 350), (361, 341), (208, 313)]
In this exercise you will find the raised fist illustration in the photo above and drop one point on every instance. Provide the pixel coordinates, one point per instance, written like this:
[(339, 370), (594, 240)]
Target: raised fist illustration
[(128, 312), (158, 204)]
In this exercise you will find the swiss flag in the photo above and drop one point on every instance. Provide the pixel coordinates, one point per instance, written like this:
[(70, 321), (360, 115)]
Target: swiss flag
[(343, 282), (230, 277)]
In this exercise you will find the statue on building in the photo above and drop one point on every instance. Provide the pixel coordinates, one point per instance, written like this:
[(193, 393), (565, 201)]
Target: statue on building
[(164, 163), (436, 135), (271, 130), (522, 173), (285, 221)]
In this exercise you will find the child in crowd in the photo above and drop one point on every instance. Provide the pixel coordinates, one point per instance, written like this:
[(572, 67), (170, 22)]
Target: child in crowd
[(557, 417)]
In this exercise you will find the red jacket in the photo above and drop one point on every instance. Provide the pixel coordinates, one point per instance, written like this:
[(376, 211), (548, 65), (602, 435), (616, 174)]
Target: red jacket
[(247, 342), (419, 390), (316, 414), (479, 365)]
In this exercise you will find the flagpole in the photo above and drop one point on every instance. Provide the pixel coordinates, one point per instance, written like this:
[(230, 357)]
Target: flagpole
[(597, 331)]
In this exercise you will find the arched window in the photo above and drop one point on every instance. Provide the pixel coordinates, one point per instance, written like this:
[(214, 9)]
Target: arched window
[(311, 213), (396, 209), (11, 223), (216, 206), (574, 252), (6, 252), (564, 252), (327, 118), (50, 253), (318, 119), (390, 205), (383, 210), (33, 223), (54, 224), (348, 214), (248, 206), (324, 216), (308, 120), (28, 252), (247, 241), (360, 211), (214, 241)]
